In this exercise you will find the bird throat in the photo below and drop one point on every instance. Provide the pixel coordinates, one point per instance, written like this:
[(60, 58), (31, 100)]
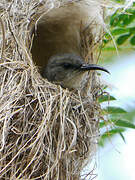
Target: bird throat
[(76, 82)]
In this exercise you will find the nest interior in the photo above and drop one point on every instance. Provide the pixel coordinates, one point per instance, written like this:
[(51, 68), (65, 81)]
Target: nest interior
[(46, 132)]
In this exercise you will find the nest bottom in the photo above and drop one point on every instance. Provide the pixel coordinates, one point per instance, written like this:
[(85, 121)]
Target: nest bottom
[(48, 135)]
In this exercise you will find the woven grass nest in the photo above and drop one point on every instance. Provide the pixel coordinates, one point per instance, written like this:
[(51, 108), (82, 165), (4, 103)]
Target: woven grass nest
[(46, 132)]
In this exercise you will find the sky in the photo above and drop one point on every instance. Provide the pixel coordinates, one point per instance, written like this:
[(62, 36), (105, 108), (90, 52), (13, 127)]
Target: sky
[(116, 161)]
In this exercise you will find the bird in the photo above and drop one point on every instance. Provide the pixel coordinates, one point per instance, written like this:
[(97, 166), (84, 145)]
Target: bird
[(68, 70), (56, 47)]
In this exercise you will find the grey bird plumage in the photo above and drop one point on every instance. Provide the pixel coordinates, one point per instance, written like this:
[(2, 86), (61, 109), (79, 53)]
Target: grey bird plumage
[(68, 70)]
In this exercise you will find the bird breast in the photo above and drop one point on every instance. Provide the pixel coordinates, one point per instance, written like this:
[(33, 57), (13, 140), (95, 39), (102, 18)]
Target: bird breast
[(76, 82)]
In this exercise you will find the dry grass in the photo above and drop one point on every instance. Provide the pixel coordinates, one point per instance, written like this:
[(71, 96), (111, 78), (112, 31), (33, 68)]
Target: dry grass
[(45, 132)]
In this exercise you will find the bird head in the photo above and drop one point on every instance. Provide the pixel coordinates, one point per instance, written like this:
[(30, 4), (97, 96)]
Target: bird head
[(68, 70)]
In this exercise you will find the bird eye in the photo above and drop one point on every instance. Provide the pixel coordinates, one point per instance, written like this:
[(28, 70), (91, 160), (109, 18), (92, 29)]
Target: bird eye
[(67, 65)]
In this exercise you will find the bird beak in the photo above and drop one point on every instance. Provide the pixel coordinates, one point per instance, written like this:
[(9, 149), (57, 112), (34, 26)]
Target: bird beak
[(87, 67)]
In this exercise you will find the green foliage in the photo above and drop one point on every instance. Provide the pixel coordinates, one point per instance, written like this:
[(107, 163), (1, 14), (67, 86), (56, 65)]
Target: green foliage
[(122, 26), (109, 134), (122, 38), (118, 120), (122, 29), (123, 123), (105, 98), (132, 40), (114, 110)]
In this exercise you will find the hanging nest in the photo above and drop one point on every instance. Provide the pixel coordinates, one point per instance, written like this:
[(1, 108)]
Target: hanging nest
[(46, 132)]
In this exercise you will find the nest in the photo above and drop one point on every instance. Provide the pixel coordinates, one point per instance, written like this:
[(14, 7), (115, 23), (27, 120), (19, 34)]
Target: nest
[(46, 132)]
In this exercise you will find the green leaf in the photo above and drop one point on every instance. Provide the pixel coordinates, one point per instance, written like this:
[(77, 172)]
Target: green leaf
[(102, 124), (110, 134), (101, 142), (128, 19), (113, 131), (120, 133), (132, 41), (114, 110), (119, 31), (132, 30), (104, 98), (124, 123), (129, 117), (119, 20), (121, 39), (122, 19), (131, 10), (120, 1), (105, 41), (114, 20)]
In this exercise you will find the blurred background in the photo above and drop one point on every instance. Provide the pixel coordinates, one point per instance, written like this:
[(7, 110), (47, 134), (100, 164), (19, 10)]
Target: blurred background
[(116, 155), (115, 159)]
